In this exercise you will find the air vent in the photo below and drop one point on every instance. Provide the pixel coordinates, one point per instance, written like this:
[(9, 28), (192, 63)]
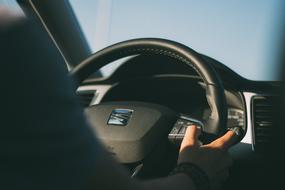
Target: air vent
[(263, 112), (86, 97)]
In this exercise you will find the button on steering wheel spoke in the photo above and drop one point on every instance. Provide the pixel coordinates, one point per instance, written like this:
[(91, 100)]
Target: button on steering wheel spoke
[(177, 133)]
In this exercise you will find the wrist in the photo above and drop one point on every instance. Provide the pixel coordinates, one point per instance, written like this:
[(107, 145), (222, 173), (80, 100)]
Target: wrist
[(195, 173)]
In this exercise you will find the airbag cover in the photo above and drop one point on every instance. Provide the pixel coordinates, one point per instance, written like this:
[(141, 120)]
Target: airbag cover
[(130, 130)]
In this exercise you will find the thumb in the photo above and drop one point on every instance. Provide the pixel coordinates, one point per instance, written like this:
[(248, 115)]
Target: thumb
[(226, 141), (191, 136)]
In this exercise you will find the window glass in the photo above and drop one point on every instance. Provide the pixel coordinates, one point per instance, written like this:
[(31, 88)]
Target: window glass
[(242, 34)]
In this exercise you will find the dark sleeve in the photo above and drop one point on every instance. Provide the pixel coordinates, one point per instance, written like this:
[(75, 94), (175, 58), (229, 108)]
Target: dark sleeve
[(45, 142)]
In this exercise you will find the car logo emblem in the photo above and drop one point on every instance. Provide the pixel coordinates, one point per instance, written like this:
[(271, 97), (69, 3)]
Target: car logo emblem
[(120, 117)]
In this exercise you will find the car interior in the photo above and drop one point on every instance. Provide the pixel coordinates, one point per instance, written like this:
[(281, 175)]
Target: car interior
[(156, 88)]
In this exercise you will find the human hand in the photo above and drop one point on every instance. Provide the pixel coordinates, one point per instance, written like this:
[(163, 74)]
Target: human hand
[(212, 158)]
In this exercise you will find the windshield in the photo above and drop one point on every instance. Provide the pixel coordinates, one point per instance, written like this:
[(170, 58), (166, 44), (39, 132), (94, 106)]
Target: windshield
[(242, 34)]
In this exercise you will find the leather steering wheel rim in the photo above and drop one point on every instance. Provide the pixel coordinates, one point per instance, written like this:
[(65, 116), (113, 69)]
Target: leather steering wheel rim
[(215, 124)]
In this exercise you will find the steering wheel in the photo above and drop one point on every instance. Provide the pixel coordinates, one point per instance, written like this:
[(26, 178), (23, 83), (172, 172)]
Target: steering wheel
[(131, 130)]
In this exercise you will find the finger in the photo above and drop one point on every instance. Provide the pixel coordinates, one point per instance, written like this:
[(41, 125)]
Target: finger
[(226, 141), (191, 136)]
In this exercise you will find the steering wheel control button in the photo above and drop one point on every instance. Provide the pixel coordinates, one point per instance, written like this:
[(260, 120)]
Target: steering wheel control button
[(178, 131), (120, 117), (174, 131), (183, 129)]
